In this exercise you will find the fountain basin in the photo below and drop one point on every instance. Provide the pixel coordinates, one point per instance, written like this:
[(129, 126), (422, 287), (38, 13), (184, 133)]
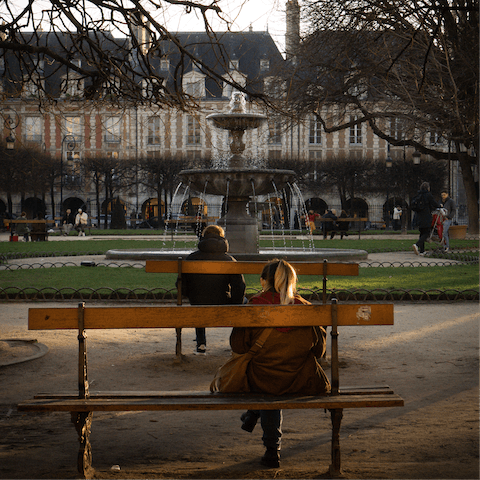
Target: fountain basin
[(291, 255), (236, 121), (237, 182)]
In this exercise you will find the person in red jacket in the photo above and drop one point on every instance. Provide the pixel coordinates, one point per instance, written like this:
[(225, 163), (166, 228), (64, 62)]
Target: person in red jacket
[(287, 362)]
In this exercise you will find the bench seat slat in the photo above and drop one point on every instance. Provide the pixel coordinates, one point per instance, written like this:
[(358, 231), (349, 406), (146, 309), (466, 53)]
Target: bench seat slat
[(212, 402), (218, 267), (208, 316), (384, 390)]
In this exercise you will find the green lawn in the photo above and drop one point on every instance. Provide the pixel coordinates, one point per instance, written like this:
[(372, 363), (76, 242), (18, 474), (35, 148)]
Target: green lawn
[(458, 277), (445, 278)]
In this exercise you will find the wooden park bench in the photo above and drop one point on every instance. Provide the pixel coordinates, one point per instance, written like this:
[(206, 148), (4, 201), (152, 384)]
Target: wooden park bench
[(180, 267), (38, 231), (81, 405), (360, 221)]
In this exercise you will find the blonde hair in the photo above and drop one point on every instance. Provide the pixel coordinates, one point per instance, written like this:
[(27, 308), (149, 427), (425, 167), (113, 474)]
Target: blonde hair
[(213, 230), (280, 276)]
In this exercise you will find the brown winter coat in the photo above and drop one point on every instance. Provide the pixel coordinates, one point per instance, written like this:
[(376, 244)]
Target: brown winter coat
[(287, 362)]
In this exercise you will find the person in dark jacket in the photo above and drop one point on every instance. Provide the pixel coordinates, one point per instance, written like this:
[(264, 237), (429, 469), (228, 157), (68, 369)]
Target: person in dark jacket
[(343, 225), (329, 226), (67, 222), (212, 289), (424, 217)]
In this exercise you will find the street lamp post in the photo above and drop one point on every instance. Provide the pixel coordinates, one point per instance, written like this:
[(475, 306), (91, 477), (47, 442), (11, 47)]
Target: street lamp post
[(388, 165), (404, 204), (71, 144)]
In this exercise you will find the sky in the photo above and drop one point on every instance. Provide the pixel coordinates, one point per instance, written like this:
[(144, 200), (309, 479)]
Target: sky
[(261, 15)]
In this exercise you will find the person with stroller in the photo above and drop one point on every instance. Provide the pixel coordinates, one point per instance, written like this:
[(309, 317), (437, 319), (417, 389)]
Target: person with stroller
[(424, 216), (287, 361), (450, 208)]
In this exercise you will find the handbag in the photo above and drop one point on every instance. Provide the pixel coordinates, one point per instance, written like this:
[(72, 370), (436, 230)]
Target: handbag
[(231, 377)]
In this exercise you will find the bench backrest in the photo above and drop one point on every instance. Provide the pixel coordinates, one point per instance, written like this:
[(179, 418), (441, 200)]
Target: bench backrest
[(168, 316), (323, 269), (83, 318)]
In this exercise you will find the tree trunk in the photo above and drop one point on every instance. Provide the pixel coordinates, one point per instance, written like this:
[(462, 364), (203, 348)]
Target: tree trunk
[(470, 190)]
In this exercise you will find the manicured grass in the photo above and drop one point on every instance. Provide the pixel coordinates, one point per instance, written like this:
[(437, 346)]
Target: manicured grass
[(457, 277)]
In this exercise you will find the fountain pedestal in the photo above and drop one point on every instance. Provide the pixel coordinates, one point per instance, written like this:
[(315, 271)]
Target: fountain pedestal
[(241, 229)]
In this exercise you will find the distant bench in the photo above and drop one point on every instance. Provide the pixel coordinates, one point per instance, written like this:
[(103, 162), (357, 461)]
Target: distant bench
[(361, 221), (85, 402), (188, 222), (38, 232)]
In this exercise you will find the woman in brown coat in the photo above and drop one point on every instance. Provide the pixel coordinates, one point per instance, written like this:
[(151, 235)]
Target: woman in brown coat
[(287, 362)]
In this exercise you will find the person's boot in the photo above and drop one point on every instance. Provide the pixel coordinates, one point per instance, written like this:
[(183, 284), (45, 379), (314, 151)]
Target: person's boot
[(271, 459), (249, 420)]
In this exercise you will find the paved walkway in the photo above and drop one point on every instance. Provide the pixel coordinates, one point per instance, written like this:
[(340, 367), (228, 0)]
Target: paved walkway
[(396, 259)]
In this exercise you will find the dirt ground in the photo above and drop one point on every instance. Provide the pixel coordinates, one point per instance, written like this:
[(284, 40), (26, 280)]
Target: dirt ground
[(430, 357)]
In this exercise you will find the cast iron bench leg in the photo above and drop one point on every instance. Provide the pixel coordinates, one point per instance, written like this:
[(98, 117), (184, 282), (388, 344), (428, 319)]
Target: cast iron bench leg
[(336, 417), (83, 424)]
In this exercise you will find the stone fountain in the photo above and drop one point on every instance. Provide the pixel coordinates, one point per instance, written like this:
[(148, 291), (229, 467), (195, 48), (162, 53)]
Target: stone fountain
[(238, 184)]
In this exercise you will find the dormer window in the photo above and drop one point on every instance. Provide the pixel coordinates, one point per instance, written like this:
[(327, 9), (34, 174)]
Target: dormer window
[(32, 86), (234, 64), (72, 85), (194, 84), (264, 65), (164, 64)]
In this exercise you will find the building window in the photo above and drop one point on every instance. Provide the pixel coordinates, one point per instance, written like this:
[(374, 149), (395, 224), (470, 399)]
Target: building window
[(73, 127), (315, 136), (194, 155), (355, 132), (436, 139), (264, 65), (153, 154), (315, 154), (153, 137), (397, 130), (193, 131), (275, 133), (194, 89), (274, 154), (112, 129), (33, 129)]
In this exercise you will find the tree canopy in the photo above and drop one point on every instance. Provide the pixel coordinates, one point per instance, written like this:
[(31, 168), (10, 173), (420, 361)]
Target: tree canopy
[(114, 47), (408, 69)]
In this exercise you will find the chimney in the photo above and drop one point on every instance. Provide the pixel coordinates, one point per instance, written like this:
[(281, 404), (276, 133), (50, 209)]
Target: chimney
[(292, 35)]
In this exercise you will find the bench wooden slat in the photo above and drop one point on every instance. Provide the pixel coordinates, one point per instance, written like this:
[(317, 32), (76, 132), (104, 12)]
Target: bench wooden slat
[(210, 316), (212, 402), (380, 390), (209, 267)]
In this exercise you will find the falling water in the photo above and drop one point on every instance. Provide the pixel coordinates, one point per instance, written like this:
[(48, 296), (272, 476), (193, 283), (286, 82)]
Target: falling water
[(304, 215)]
